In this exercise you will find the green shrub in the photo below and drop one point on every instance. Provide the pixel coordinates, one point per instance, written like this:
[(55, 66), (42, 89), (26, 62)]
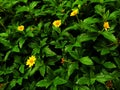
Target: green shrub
[(59, 44)]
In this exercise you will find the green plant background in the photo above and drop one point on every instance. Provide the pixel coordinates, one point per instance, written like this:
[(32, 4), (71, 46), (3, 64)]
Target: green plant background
[(91, 53)]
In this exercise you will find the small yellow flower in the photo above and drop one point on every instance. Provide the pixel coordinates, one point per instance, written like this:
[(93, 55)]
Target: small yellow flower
[(20, 28), (106, 25), (74, 12), (57, 23), (31, 61)]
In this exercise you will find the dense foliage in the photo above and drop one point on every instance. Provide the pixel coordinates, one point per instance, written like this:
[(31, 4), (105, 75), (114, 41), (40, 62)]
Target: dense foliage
[(59, 44)]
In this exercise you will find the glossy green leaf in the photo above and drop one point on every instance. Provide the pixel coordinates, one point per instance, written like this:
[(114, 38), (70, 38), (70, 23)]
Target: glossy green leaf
[(29, 34), (105, 51), (49, 52), (90, 20), (103, 78), (113, 15), (21, 42), (84, 88), (13, 83), (109, 36), (25, 1), (22, 9), (86, 60), (1, 79), (43, 83), (86, 37), (16, 49), (3, 35), (109, 65), (21, 69), (83, 81), (7, 55), (34, 70), (42, 70), (71, 68), (33, 4), (74, 54), (59, 81), (5, 42), (19, 81)]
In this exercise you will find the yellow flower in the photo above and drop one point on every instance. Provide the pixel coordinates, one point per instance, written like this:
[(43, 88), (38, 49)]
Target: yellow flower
[(74, 12), (20, 28), (31, 61), (57, 23), (106, 25)]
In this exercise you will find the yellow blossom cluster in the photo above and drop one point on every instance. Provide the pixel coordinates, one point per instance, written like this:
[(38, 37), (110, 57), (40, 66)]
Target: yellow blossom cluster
[(31, 61), (57, 23), (74, 12), (106, 25), (20, 28)]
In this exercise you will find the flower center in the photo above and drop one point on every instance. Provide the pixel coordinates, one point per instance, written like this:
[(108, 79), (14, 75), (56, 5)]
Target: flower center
[(57, 23)]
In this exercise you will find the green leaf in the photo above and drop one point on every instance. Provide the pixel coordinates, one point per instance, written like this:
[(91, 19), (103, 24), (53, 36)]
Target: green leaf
[(84, 88), (59, 81), (103, 78), (29, 33), (13, 83), (43, 83), (25, 1), (21, 42), (76, 87), (21, 69), (77, 2), (40, 25), (74, 54), (16, 49), (53, 87), (42, 70), (91, 20), (33, 4), (86, 37), (19, 81), (6, 56), (77, 44), (43, 42), (68, 48), (3, 35), (72, 27), (22, 9), (1, 73), (5, 42), (109, 65), (34, 69), (92, 80), (48, 51), (109, 36), (100, 9), (86, 60), (113, 15), (36, 50), (105, 51), (33, 45), (83, 81), (1, 79), (96, 1), (71, 68)]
